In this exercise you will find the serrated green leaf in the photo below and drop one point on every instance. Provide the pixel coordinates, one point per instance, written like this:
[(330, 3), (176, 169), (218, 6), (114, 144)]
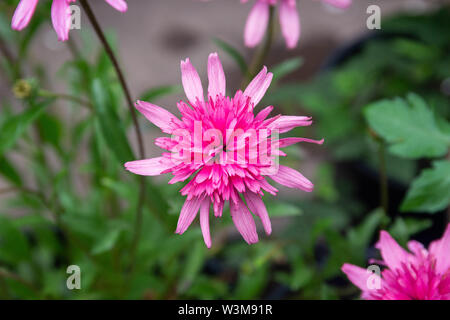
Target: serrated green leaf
[(430, 192), (409, 126)]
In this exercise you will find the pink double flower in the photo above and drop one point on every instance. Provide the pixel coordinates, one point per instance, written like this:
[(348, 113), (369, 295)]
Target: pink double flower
[(258, 20), (61, 15)]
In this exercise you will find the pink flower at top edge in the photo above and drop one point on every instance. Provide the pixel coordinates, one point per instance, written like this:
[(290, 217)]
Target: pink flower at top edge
[(60, 15), (258, 20), (223, 170), (420, 274)]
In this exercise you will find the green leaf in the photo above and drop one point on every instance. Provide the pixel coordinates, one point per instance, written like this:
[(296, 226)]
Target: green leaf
[(284, 68), (50, 129), (194, 263), (233, 53), (403, 229), (8, 171), (13, 244), (282, 209), (159, 92), (111, 128), (409, 126), (430, 192), (107, 242), (361, 235), (14, 127)]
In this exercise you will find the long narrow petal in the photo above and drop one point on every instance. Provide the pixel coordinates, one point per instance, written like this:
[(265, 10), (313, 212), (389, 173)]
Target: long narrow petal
[(204, 221), (287, 123), (341, 4), (286, 142), (23, 14), (158, 116), (292, 179), (290, 22), (393, 255), (243, 220), (61, 18), (187, 214), (149, 167), (440, 250), (216, 77), (256, 24), (263, 113), (119, 5), (256, 205), (358, 276), (191, 82), (259, 85)]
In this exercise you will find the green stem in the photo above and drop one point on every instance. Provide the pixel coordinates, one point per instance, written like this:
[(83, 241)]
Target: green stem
[(12, 61), (109, 51), (142, 187), (384, 192), (259, 58), (9, 275), (63, 96)]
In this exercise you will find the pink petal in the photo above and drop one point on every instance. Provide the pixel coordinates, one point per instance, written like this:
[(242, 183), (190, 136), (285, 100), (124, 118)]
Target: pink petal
[(256, 24), (440, 250), (216, 76), (218, 208), (341, 4), (243, 220), (358, 276), (256, 205), (191, 82), (119, 5), (158, 116), (263, 113), (187, 214), (393, 255), (287, 123), (292, 179), (23, 14), (149, 167), (61, 18), (259, 85), (286, 142), (290, 22), (204, 221)]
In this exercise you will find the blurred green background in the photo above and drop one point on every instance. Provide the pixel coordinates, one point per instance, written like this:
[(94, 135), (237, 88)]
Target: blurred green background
[(380, 99)]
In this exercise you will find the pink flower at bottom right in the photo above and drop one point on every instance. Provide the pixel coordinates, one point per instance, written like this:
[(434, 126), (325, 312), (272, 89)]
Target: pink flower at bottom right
[(417, 274)]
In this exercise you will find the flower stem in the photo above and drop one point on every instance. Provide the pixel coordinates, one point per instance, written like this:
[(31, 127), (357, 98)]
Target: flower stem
[(384, 194), (63, 96), (123, 83), (259, 58), (9, 275), (11, 59)]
